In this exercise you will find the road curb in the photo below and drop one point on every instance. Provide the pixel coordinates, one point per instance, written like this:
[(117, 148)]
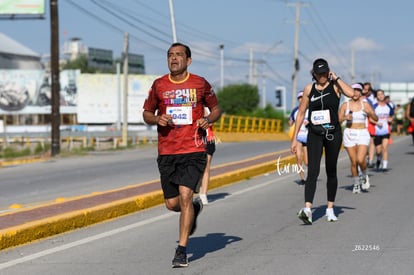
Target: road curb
[(31, 231), (14, 162)]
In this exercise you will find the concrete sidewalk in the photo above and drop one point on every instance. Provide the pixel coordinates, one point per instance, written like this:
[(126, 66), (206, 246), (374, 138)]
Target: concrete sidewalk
[(25, 225)]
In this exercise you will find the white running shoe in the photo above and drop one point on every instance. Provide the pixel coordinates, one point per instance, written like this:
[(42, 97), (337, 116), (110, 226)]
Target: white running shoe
[(365, 183), (203, 198), (356, 189), (330, 215)]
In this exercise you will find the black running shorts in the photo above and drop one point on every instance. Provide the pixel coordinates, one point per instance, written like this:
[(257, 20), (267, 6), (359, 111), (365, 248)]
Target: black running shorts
[(378, 139), (183, 169)]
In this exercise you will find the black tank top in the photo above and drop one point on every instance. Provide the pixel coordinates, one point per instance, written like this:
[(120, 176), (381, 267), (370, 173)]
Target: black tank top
[(325, 100)]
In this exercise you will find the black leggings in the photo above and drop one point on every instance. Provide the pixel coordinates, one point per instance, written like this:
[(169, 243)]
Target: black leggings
[(315, 144)]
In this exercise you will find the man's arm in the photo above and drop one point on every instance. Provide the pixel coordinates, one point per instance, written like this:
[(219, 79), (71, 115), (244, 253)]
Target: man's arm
[(152, 119), (215, 114)]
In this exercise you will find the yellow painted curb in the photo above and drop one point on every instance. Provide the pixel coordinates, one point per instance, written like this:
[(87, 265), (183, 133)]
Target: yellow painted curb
[(36, 230), (6, 163), (51, 226)]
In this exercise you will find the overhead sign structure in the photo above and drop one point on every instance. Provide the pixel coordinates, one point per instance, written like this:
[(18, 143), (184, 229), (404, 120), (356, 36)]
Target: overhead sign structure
[(136, 63), (22, 8), (100, 58)]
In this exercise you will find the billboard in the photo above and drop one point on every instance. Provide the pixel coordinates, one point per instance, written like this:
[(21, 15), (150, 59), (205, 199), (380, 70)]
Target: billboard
[(29, 92), (95, 98), (22, 7), (100, 99)]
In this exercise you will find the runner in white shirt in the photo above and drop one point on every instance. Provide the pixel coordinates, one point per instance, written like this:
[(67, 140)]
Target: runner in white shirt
[(385, 115), (356, 136)]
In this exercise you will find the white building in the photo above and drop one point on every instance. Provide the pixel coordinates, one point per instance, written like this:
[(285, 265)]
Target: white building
[(74, 48), (14, 55)]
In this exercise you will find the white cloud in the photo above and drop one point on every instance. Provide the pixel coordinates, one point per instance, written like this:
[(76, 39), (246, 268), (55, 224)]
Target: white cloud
[(365, 44)]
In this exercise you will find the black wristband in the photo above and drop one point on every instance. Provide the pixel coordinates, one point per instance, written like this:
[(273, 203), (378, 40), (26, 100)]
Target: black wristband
[(336, 80), (207, 119)]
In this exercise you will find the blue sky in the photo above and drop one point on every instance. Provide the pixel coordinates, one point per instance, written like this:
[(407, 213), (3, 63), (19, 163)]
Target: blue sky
[(379, 32)]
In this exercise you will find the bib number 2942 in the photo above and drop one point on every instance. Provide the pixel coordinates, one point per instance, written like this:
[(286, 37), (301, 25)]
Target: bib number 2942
[(181, 115)]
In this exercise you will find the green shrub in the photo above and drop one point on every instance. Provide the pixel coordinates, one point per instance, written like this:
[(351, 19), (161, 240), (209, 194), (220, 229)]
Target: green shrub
[(41, 148), (10, 152)]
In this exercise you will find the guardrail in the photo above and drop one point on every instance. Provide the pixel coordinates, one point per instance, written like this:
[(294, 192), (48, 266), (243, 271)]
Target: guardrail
[(104, 139), (71, 140), (241, 124)]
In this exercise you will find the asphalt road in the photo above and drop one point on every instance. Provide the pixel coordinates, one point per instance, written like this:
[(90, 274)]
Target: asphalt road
[(250, 228), (101, 171)]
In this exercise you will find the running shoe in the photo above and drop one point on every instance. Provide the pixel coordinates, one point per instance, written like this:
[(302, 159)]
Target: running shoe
[(203, 198), (198, 206), (371, 165), (180, 259), (330, 215), (356, 189), (302, 182), (365, 183), (305, 216)]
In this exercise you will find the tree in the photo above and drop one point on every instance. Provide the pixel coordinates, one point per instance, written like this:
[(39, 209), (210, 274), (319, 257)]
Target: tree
[(80, 63), (238, 98)]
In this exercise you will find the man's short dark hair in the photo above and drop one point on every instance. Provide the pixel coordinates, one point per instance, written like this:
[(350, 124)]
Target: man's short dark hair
[(187, 48)]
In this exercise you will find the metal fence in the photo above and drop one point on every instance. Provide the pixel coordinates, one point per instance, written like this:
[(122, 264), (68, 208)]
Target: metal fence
[(104, 139), (241, 124)]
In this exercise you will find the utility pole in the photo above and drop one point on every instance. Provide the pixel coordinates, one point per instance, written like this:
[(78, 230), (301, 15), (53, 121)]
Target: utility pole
[(263, 84), (296, 52), (221, 66), (125, 94), (118, 77), (251, 66), (174, 33), (54, 56)]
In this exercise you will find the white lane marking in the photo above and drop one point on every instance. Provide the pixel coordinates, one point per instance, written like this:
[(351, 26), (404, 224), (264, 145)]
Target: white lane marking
[(83, 241), (128, 227)]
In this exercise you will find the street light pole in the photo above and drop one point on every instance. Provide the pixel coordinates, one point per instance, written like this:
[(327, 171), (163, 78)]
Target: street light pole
[(174, 33), (54, 56)]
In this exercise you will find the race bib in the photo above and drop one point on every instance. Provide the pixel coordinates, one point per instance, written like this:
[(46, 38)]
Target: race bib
[(320, 117), (181, 115)]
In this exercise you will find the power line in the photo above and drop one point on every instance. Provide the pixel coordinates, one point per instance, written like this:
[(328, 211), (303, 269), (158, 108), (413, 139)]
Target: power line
[(111, 26), (331, 38), (127, 12), (130, 23)]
